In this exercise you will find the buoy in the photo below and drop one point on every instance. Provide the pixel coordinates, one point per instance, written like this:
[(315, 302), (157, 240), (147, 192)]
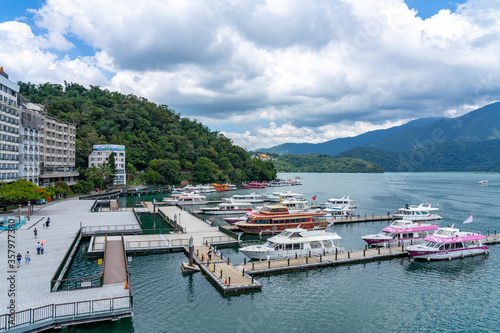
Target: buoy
[(126, 285)]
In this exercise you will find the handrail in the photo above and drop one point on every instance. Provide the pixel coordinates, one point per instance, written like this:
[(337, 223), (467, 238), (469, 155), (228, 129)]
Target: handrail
[(66, 310), (218, 239)]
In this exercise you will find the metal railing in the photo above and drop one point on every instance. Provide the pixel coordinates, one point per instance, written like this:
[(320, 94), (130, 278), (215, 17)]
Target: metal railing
[(61, 270), (219, 239), (80, 283), (152, 244), (71, 311), (91, 230)]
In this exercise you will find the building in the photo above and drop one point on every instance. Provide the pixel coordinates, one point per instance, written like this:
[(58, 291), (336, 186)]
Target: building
[(9, 128), (100, 154), (29, 141), (57, 151)]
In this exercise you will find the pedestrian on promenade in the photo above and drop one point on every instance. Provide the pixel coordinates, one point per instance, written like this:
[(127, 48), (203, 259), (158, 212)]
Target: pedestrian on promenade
[(35, 232), (44, 225), (48, 222), (38, 248), (41, 248), (209, 254), (19, 257), (27, 257)]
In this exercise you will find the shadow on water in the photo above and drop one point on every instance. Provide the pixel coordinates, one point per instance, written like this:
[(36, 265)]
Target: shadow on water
[(451, 269)]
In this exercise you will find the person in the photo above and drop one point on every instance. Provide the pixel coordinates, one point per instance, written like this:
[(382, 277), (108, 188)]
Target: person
[(44, 225), (209, 254), (41, 248), (48, 222), (35, 232), (38, 248), (27, 257), (19, 257)]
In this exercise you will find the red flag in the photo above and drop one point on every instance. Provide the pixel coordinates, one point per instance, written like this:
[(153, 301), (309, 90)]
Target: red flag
[(314, 198)]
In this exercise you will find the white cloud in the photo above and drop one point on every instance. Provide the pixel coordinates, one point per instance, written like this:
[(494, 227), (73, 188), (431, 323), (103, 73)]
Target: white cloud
[(317, 70)]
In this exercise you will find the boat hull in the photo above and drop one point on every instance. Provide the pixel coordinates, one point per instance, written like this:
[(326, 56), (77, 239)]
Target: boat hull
[(257, 252), (422, 254), (225, 211), (384, 242), (253, 228)]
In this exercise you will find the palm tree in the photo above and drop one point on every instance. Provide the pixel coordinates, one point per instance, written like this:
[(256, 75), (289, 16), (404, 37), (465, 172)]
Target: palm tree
[(106, 173)]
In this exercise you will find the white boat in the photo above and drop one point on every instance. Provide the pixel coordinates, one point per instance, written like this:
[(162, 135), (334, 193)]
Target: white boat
[(338, 213), (295, 242), (483, 182), (191, 199), (422, 212), (296, 205), (449, 243), (341, 203), (227, 208), (233, 220), (251, 198), (401, 232)]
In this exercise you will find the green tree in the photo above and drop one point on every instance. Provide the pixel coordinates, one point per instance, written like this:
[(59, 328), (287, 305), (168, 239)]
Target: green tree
[(204, 171), (152, 177), (20, 192), (112, 166)]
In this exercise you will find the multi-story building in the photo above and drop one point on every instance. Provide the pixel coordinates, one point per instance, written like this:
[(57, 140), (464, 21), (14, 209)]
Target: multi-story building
[(9, 128), (57, 151), (32, 120), (100, 154)]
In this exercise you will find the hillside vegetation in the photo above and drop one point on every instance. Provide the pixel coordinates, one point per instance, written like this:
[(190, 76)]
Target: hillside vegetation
[(323, 163), (157, 139)]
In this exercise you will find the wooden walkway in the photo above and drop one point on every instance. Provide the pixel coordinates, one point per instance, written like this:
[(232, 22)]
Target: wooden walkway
[(114, 262), (223, 274), (302, 263)]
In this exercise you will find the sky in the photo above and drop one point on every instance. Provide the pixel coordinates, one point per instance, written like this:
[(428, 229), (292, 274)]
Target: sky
[(263, 72)]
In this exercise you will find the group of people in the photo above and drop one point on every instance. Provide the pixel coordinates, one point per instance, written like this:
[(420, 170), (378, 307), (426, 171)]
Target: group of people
[(39, 246)]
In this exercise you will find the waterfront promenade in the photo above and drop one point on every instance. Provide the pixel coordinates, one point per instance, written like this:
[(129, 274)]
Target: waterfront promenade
[(32, 281)]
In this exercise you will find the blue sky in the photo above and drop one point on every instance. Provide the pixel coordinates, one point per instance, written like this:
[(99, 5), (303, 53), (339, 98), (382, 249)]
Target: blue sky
[(267, 72)]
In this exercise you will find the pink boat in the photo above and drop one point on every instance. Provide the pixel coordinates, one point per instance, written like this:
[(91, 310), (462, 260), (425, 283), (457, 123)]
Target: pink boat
[(255, 185), (401, 232), (449, 243)]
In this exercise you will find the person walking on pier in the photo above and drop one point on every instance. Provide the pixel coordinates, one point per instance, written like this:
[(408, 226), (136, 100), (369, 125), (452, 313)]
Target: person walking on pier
[(41, 248), (19, 257), (38, 248), (27, 257), (209, 254), (48, 222), (35, 232)]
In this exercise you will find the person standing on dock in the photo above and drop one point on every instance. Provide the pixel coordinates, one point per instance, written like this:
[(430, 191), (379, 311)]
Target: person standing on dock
[(19, 257), (41, 248), (35, 232)]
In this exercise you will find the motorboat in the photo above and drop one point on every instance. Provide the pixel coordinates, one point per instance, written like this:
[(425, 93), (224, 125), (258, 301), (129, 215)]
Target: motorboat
[(295, 242), (422, 212), (401, 232), (341, 203), (449, 243), (483, 182), (256, 185), (339, 213), (233, 220), (250, 198), (227, 208), (274, 219)]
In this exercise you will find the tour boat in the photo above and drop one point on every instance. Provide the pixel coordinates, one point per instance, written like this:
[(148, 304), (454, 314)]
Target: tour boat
[(296, 205), (256, 185), (283, 195), (221, 187), (274, 219), (250, 198), (227, 208), (422, 212), (341, 203), (401, 232), (338, 213), (449, 243), (295, 242), (191, 199)]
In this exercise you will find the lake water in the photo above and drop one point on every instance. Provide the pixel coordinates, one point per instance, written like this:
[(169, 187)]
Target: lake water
[(396, 295)]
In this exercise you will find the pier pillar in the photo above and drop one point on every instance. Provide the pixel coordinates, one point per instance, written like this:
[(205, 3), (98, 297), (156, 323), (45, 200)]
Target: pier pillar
[(244, 261), (268, 263), (228, 260), (348, 255), (288, 261), (378, 250), (243, 273), (320, 258), (253, 267), (336, 252), (191, 250), (29, 210), (307, 260), (364, 253)]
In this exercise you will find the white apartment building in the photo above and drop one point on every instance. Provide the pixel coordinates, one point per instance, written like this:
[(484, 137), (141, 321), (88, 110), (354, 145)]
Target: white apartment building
[(9, 128), (32, 121), (100, 154)]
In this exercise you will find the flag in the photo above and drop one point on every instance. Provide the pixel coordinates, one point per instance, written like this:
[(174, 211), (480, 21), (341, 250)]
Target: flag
[(468, 220), (437, 205), (314, 198)]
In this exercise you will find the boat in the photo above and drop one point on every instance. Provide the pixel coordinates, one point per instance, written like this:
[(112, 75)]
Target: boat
[(338, 213), (401, 232), (233, 220), (256, 185), (227, 208), (251, 198), (295, 205), (483, 182), (220, 187), (274, 219), (191, 199), (295, 242), (274, 184), (449, 243), (422, 212), (340, 203)]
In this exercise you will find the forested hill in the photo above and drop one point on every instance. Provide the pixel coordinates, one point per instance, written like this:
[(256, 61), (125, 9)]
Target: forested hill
[(155, 136), (323, 163)]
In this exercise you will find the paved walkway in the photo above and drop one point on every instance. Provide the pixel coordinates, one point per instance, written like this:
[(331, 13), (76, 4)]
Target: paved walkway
[(32, 281), (115, 270)]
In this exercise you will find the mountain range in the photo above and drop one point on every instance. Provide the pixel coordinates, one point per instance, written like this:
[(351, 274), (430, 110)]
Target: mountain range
[(467, 143)]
